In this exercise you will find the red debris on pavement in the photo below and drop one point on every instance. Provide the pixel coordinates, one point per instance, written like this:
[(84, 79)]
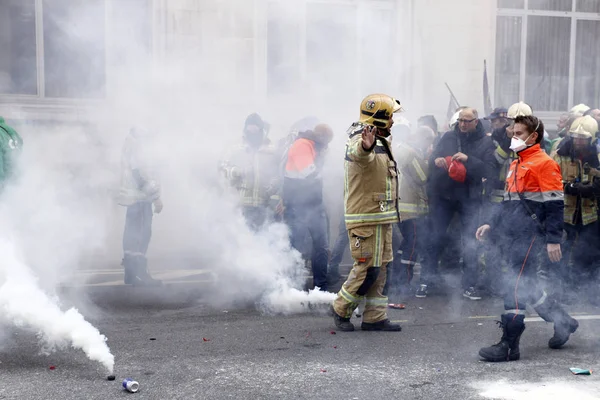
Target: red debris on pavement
[(205, 339), (332, 332), (52, 367), (323, 370), (335, 347), (397, 306)]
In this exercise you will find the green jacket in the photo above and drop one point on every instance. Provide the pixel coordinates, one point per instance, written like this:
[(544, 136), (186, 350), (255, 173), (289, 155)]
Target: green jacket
[(11, 145)]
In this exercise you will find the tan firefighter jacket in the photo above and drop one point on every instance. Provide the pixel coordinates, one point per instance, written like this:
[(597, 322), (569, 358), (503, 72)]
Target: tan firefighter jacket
[(370, 183), (413, 170), (572, 171)]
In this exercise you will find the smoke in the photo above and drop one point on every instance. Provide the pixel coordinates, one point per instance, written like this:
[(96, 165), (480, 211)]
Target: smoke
[(26, 305), (534, 391), (60, 214)]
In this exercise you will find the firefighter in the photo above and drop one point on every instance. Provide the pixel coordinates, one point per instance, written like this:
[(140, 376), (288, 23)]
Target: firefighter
[(304, 210), (413, 172), (251, 169), (140, 190), (370, 194), (502, 137), (576, 157), (531, 218), (11, 145)]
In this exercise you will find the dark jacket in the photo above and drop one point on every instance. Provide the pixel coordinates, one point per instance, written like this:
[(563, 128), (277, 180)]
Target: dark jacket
[(480, 164)]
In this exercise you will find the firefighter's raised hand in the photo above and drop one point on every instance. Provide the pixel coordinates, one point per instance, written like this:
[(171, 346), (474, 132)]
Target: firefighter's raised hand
[(482, 232), (441, 163), (554, 252), (368, 137)]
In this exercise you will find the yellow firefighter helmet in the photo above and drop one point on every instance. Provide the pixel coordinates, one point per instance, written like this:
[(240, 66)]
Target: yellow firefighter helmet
[(519, 109), (584, 127), (377, 110)]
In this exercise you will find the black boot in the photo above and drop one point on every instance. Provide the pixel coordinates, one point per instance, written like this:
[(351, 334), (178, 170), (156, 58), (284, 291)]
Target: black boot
[(564, 325), (384, 325), (343, 324), (508, 347), (141, 276), (128, 264)]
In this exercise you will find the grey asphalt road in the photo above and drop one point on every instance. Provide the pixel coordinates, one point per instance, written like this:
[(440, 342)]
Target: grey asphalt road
[(249, 355)]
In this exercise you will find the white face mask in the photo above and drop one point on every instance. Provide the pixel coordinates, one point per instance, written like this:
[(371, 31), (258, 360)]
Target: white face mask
[(518, 144)]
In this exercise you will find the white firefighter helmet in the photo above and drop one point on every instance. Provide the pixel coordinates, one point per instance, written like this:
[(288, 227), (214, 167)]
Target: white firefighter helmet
[(579, 109), (584, 127), (519, 109), (454, 120)]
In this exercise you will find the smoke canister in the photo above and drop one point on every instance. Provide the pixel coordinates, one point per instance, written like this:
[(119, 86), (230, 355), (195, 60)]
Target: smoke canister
[(130, 385)]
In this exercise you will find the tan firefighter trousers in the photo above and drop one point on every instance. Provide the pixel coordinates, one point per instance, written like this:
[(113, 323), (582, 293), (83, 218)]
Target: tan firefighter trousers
[(371, 248)]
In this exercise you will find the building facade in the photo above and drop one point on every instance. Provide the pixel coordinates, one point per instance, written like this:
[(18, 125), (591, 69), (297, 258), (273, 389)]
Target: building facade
[(63, 58)]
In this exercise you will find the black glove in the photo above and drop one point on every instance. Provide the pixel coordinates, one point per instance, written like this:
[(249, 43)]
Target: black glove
[(572, 189)]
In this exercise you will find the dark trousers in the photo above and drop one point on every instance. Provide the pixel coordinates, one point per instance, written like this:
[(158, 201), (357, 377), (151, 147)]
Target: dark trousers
[(521, 281), (311, 220), (581, 257), (441, 214), (407, 241), (255, 216), (138, 230), (340, 247)]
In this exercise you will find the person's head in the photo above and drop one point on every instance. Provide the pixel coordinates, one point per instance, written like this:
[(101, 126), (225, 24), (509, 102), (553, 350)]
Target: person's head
[(429, 121), (423, 137), (498, 118), (595, 113), (323, 135), (254, 129), (377, 110), (527, 129), (562, 122), (583, 130), (467, 120)]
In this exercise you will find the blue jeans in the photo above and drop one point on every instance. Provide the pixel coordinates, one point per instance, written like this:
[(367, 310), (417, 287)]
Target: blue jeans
[(311, 220)]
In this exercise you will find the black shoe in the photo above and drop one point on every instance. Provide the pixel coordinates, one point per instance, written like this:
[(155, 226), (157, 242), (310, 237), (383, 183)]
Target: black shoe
[(564, 325), (421, 291), (343, 324), (384, 325), (562, 332), (333, 278), (508, 347), (472, 293), (141, 276)]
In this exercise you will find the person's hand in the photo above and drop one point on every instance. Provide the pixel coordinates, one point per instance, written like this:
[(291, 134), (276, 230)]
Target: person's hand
[(554, 253), (509, 131), (158, 206), (482, 232), (368, 137), (441, 163), (462, 157)]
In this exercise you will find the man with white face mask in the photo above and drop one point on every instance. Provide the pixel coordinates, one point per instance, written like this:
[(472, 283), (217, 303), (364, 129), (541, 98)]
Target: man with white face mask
[(531, 218)]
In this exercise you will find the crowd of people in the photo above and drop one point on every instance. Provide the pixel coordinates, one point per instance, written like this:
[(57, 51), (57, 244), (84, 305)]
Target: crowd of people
[(494, 197)]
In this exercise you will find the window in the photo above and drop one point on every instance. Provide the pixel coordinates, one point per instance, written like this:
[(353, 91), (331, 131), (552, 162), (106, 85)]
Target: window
[(74, 49), (547, 54), (17, 42), (283, 49), (330, 47)]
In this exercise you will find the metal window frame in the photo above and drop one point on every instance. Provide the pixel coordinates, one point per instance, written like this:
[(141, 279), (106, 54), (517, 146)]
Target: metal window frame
[(575, 17), (40, 97), (261, 44)]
